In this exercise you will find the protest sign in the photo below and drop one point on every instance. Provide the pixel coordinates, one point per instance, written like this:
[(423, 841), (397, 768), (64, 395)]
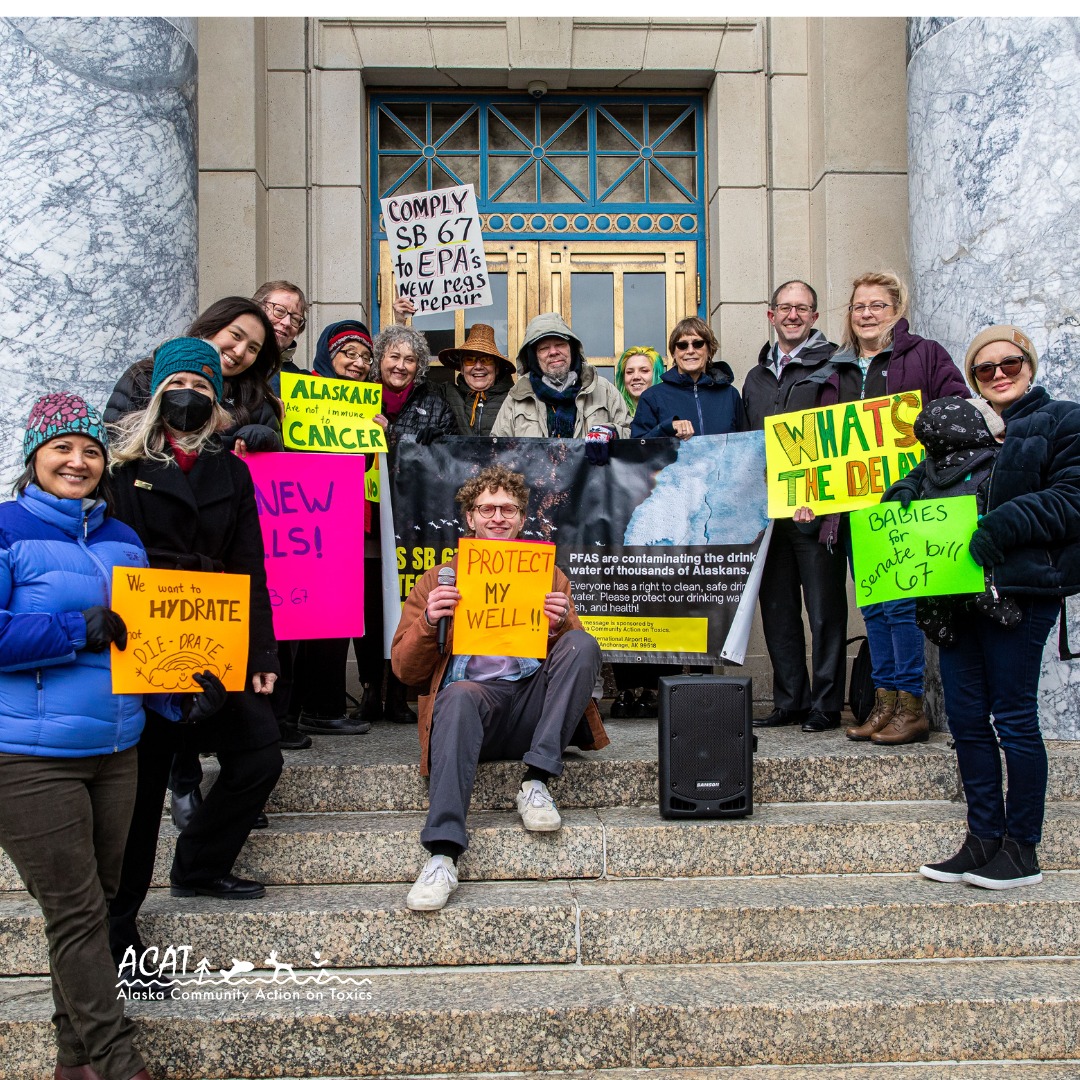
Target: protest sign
[(180, 623), (332, 415), (437, 249), (659, 546), (920, 551), (503, 584), (311, 512), (840, 457)]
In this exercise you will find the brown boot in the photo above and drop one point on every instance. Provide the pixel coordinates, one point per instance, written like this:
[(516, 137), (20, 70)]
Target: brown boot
[(908, 723), (880, 715)]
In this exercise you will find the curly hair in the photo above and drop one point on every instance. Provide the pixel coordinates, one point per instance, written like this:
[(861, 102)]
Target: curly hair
[(394, 335), (492, 479)]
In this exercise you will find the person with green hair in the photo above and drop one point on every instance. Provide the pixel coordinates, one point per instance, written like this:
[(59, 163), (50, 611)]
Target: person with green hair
[(637, 369)]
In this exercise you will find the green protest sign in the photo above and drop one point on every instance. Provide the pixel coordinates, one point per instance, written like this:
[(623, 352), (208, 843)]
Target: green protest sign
[(920, 551)]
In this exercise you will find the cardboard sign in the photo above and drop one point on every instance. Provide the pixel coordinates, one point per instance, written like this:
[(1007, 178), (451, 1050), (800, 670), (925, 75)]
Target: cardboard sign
[(331, 415), (920, 551), (437, 249), (311, 511), (841, 457), (179, 623), (503, 584)]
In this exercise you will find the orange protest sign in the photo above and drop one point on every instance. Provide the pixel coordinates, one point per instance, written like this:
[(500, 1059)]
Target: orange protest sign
[(180, 623), (503, 584)]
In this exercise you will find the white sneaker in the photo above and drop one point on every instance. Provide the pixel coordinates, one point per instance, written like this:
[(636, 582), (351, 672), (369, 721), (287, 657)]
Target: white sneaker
[(537, 807), (433, 887)]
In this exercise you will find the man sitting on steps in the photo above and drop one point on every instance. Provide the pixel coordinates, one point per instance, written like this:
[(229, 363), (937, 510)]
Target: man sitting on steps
[(485, 708)]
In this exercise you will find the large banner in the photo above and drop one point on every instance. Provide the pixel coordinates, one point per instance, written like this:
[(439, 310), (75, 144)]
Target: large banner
[(311, 512), (840, 457), (658, 545)]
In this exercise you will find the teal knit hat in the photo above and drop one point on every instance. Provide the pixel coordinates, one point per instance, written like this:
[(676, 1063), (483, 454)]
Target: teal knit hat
[(187, 354), (62, 413)]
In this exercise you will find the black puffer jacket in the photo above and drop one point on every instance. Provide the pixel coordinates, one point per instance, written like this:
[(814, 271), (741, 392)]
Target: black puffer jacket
[(132, 393), (426, 408)]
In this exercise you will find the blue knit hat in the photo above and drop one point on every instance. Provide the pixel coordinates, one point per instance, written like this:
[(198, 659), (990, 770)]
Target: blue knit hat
[(187, 354), (61, 413)]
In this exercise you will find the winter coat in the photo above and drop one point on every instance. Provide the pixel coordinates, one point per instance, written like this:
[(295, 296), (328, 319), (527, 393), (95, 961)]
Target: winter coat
[(597, 401), (56, 561), (1033, 497), (206, 520), (712, 404), (416, 660), (426, 408), (808, 381), (132, 393), (462, 400)]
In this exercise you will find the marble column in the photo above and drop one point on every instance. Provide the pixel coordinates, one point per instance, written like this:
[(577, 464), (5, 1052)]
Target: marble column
[(98, 224), (994, 194)]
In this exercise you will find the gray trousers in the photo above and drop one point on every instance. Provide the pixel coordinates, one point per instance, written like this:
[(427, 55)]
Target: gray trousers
[(64, 822), (798, 568), (532, 719)]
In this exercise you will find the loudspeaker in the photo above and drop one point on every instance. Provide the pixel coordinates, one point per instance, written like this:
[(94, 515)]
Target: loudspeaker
[(706, 746)]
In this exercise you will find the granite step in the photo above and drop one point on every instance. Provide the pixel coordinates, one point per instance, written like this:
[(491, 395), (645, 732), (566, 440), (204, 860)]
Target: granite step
[(621, 842), (931, 1070), (707, 921), (378, 771), (574, 1019)]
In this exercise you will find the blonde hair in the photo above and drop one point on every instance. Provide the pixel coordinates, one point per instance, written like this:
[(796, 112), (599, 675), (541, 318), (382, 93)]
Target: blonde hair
[(897, 290), (142, 434)]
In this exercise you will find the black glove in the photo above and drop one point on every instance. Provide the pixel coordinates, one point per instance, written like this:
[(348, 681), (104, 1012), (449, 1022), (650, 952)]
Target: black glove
[(903, 492), (202, 706), (258, 438), (984, 549), (427, 435), (597, 439), (103, 627)]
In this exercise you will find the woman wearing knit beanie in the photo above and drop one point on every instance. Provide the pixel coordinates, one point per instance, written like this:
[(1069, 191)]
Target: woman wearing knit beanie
[(193, 505), (67, 743)]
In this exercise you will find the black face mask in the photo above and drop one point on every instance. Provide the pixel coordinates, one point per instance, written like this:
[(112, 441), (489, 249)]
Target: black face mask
[(186, 410)]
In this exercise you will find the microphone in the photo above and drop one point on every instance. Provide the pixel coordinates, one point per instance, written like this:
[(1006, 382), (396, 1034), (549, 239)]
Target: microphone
[(447, 576)]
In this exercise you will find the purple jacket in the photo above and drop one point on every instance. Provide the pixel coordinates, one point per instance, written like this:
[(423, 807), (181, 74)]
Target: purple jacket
[(921, 364)]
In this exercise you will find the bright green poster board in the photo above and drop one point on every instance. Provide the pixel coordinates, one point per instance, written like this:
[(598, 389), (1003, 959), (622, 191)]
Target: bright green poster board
[(920, 551)]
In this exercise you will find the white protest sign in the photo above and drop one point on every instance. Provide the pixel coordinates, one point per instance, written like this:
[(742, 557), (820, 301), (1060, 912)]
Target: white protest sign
[(438, 250)]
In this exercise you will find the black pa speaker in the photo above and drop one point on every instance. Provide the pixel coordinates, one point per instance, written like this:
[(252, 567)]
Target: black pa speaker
[(706, 746)]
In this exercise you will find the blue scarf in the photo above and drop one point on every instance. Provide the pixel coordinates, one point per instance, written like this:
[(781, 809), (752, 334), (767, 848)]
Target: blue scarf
[(561, 412)]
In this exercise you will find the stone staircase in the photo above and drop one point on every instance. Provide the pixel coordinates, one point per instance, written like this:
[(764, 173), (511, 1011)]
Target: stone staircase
[(796, 944)]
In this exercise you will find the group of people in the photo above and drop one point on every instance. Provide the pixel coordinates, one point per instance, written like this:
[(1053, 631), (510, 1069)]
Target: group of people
[(152, 482)]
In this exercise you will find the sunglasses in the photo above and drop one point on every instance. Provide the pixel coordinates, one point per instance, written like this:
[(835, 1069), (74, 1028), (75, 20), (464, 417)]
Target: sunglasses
[(1010, 368), (696, 343)]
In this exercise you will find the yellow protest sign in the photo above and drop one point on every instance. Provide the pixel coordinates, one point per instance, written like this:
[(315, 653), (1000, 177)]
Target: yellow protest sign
[(840, 457), (616, 633), (503, 584), (372, 482), (331, 415), (180, 623)]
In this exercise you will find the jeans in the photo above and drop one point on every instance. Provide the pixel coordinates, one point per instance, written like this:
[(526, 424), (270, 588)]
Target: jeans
[(64, 821), (896, 646), (994, 671)]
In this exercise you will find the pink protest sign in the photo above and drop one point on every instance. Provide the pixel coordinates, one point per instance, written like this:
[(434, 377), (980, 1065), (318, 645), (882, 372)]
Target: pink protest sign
[(311, 510)]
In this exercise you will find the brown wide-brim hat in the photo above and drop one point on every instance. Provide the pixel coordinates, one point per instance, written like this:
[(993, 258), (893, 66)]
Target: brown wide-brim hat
[(481, 341)]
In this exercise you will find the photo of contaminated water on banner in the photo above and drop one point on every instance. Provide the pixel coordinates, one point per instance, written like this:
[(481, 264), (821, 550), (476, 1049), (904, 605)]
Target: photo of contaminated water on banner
[(659, 545)]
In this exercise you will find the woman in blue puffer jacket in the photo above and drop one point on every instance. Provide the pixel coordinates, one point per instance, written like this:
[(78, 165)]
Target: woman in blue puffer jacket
[(67, 743)]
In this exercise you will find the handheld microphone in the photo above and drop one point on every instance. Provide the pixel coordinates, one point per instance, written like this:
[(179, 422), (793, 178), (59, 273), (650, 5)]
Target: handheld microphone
[(447, 576)]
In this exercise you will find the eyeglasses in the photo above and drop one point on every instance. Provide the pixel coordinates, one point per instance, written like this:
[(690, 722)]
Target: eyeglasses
[(786, 309), (695, 343), (1010, 368), (506, 510), (876, 308), (276, 311), (472, 358), (353, 353)]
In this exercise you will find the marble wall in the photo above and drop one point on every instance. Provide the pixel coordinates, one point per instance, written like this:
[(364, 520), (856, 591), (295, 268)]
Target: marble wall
[(98, 222), (994, 188)]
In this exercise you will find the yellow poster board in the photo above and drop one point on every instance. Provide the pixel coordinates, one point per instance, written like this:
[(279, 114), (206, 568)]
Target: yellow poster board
[(179, 623), (331, 415), (617, 633), (840, 457), (503, 584)]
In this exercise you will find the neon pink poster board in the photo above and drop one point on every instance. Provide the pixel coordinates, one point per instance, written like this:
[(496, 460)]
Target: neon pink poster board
[(311, 510)]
